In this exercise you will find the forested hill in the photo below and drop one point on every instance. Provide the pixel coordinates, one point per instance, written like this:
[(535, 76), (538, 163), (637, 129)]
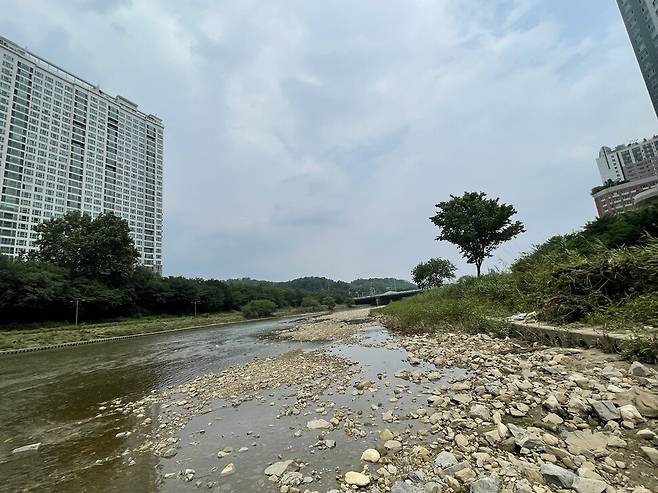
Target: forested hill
[(358, 287)]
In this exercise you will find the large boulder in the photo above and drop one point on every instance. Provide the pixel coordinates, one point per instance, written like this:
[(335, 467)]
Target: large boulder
[(644, 401)]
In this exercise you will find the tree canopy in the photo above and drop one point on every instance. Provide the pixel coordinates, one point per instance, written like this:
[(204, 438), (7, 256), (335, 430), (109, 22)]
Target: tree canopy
[(476, 224), (433, 273), (99, 248)]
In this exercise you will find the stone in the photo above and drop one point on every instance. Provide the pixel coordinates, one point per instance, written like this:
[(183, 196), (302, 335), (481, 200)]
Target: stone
[(278, 468), (630, 413), (432, 487), (644, 401), (651, 453), (453, 470), (292, 478), (445, 459), (551, 403), (357, 479), (465, 475), (557, 475), (393, 446), (169, 453), (33, 447), (318, 424), (605, 410), (585, 440), (637, 369), (488, 484), (386, 435), (461, 440), (405, 487), (585, 485), (480, 411), (646, 434), (228, 470), (370, 455), (552, 421)]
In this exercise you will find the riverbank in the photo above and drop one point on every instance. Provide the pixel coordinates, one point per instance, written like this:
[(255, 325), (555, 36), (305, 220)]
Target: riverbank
[(21, 339), (448, 411)]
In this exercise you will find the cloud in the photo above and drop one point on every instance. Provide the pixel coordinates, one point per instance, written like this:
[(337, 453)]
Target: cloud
[(315, 137)]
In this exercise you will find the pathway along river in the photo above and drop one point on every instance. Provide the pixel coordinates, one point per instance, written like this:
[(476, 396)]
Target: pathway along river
[(53, 397)]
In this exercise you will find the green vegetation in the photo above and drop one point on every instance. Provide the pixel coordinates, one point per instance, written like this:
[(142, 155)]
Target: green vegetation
[(609, 183), (94, 262), (476, 224), (432, 273), (259, 309), (604, 275)]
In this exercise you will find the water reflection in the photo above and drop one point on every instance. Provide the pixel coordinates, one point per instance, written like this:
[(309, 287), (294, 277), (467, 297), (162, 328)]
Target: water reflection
[(52, 397)]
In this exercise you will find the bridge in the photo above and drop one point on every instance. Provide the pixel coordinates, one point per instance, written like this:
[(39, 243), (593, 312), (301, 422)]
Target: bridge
[(385, 298)]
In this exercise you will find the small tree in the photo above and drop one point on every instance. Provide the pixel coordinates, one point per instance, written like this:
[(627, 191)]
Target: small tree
[(432, 273), (476, 224)]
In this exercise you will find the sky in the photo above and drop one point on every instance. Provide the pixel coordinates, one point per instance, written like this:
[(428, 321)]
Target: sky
[(315, 137)]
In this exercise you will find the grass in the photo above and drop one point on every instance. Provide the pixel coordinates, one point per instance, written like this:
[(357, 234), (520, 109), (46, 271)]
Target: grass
[(613, 289), (45, 336)]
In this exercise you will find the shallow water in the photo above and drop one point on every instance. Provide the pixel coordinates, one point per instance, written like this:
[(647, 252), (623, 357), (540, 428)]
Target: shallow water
[(270, 439), (54, 397)]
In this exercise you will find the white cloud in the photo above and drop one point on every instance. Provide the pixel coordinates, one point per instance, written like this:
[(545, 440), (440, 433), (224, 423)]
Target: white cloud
[(315, 137)]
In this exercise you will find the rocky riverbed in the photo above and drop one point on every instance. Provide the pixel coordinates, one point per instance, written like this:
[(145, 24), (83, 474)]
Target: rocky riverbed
[(376, 412)]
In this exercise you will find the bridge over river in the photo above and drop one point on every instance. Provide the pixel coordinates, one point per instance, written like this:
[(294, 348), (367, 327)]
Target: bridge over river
[(385, 298)]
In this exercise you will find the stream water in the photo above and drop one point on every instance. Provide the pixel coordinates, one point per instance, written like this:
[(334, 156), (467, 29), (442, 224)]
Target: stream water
[(53, 397)]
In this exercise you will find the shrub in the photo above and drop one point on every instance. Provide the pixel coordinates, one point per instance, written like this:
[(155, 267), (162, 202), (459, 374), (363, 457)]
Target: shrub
[(258, 309)]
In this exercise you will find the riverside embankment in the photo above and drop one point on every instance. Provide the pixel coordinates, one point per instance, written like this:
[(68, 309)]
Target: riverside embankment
[(329, 405)]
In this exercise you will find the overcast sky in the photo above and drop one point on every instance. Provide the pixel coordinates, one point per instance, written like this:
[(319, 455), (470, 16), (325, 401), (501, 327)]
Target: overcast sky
[(314, 137)]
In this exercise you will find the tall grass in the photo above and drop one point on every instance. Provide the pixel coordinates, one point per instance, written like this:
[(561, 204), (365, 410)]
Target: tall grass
[(616, 288)]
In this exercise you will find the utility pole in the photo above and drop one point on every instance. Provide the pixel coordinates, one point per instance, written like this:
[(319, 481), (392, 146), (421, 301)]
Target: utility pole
[(77, 310), (195, 302)]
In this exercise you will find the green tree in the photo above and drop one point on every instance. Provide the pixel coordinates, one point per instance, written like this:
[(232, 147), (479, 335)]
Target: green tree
[(258, 309), (432, 273), (476, 224), (100, 249)]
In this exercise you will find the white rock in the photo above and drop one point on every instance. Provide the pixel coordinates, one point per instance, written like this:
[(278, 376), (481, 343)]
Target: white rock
[(318, 424), (370, 455), (357, 479), (27, 448)]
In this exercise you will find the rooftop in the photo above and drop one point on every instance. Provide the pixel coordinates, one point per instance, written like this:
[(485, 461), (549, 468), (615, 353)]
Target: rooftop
[(74, 79)]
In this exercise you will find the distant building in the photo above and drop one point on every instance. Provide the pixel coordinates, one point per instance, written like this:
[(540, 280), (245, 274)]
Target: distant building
[(621, 198), (629, 162), (641, 20), (65, 145)]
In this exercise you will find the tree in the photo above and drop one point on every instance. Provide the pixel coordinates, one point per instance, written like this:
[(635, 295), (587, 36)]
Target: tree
[(432, 273), (476, 224), (259, 309), (100, 249)]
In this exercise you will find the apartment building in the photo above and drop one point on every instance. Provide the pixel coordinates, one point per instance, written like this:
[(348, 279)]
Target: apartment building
[(66, 145)]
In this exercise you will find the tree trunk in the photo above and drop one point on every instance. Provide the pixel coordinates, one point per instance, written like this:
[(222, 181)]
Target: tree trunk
[(478, 265)]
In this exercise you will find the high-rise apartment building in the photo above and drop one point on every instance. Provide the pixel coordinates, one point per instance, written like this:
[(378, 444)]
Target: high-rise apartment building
[(65, 145), (641, 20)]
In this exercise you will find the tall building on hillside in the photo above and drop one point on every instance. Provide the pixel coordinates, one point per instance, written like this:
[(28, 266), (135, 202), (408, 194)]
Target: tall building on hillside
[(65, 145), (641, 20)]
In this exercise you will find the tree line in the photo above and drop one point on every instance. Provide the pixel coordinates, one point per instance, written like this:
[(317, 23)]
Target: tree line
[(94, 262)]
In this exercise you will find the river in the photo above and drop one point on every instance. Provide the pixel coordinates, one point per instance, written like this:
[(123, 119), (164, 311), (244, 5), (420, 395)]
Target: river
[(53, 397)]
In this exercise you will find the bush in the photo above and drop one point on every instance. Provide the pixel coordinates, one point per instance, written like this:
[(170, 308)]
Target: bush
[(258, 309)]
